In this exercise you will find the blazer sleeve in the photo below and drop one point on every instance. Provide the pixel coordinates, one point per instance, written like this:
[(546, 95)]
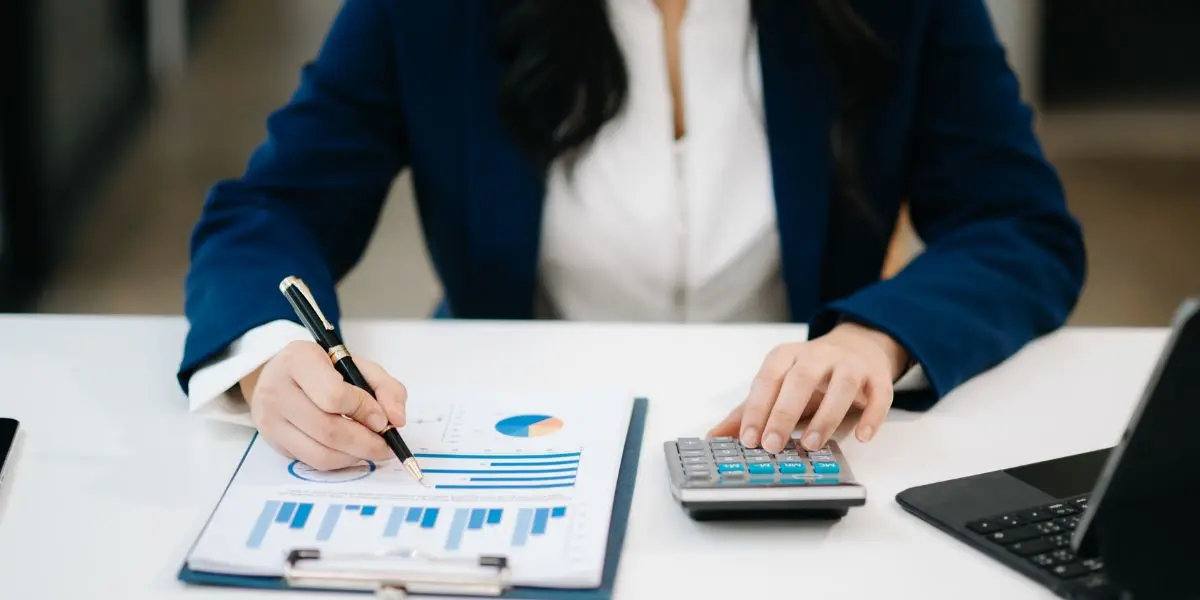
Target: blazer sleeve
[(1004, 260), (311, 194)]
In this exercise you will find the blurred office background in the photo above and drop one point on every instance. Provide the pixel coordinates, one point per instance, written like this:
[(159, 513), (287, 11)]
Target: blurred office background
[(119, 114)]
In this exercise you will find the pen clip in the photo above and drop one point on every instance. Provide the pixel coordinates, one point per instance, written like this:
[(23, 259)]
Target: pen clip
[(296, 282)]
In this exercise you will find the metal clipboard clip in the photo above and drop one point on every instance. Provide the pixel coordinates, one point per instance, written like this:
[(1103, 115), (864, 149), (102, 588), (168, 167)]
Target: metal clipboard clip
[(395, 574)]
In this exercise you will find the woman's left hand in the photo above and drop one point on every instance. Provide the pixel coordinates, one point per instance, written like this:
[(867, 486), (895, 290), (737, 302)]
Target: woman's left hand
[(852, 365)]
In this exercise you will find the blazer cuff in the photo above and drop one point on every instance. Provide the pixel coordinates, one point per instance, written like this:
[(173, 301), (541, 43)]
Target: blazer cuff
[(213, 391)]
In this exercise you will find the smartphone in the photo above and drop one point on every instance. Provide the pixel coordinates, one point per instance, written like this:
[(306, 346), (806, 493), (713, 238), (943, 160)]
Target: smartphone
[(8, 441)]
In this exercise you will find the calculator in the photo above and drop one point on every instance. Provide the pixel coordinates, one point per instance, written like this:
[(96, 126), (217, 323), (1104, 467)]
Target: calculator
[(719, 478)]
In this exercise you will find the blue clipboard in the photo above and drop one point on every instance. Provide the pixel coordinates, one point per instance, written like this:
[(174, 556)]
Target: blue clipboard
[(622, 500)]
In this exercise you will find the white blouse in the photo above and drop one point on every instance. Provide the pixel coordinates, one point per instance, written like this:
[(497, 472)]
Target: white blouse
[(645, 228)]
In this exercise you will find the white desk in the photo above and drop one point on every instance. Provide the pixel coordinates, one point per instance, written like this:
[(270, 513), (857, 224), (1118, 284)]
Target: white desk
[(115, 479)]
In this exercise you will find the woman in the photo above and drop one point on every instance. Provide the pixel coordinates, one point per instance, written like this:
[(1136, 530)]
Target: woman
[(689, 160)]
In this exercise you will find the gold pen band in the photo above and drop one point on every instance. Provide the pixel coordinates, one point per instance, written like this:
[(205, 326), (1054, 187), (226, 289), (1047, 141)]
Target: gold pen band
[(338, 352)]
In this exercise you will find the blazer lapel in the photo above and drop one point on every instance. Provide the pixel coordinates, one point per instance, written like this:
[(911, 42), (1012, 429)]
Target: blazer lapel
[(504, 191), (799, 111)]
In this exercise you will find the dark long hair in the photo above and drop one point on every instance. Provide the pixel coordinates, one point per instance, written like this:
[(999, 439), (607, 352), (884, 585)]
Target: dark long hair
[(566, 77)]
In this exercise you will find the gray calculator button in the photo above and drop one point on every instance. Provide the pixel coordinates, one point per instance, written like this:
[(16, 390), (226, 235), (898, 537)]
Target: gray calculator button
[(755, 452), (696, 452), (789, 459), (733, 476), (695, 460), (720, 453), (762, 480), (758, 459), (787, 453), (699, 476), (723, 446), (723, 438)]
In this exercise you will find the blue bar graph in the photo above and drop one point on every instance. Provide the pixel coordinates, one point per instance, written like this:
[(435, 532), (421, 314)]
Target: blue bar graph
[(292, 514), (332, 514), (497, 472), (259, 532), (521, 531), (285, 512), (553, 463), (454, 540), (501, 456), (300, 519), (395, 519), (367, 511), (504, 487), (494, 515), (429, 518), (541, 517), (477, 516), (414, 515), (534, 522)]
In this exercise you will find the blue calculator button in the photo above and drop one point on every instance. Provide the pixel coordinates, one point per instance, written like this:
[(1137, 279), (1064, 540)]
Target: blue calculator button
[(826, 468), (762, 468), (731, 467), (791, 467), (826, 481)]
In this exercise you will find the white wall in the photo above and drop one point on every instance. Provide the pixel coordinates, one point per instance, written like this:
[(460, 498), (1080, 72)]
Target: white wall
[(1018, 23)]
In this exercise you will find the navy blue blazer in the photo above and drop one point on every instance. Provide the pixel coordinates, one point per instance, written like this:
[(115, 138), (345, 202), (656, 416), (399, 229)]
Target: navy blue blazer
[(412, 84)]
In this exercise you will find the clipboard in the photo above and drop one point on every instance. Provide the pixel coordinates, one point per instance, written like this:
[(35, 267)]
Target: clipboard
[(396, 574)]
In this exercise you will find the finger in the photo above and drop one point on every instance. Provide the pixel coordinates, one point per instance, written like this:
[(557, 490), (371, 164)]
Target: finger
[(845, 383), (308, 450), (389, 392), (763, 391), (795, 394), (879, 401), (730, 425), (332, 431), (309, 367)]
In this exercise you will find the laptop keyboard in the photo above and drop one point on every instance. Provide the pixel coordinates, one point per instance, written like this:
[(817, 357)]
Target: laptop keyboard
[(1042, 535)]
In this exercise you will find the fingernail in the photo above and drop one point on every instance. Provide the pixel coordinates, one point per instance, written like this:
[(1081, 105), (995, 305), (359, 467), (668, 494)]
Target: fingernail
[(377, 421), (812, 441), (868, 432), (749, 437), (773, 442)]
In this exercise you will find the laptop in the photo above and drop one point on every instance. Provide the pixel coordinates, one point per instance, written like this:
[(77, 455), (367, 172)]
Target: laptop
[(1112, 523)]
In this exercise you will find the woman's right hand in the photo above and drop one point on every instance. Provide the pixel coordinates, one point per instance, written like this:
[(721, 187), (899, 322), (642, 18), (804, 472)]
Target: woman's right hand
[(297, 400)]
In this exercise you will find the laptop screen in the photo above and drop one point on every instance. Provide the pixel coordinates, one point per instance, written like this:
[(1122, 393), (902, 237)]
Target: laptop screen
[(1156, 458), (1063, 477)]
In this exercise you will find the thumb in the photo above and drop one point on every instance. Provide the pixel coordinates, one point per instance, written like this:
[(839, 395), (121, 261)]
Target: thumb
[(391, 394)]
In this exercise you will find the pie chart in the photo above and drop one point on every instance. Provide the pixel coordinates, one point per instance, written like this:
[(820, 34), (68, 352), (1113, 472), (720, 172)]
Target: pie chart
[(529, 425)]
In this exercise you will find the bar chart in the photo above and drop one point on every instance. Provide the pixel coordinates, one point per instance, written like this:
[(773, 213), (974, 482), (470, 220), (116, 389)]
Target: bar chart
[(493, 528), (501, 471)]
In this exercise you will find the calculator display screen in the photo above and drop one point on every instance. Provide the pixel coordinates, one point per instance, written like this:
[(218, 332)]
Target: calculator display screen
[(1063, 477)]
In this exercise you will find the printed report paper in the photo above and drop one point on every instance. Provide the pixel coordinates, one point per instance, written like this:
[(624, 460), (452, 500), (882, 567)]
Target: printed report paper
[(526, 476)]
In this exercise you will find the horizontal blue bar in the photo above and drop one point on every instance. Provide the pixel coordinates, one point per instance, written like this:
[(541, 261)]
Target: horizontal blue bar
[(559, 511), (496, 471), (351, 507), (494, 516), (499, 456), (553, 463), (503, 487), (367, 511), (554, 478), (285, 512)]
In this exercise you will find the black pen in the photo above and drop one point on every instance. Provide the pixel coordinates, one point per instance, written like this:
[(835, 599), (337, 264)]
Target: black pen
[(324, 333)]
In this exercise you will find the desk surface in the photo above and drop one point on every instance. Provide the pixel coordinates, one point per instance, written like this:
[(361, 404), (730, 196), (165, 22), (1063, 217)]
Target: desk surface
[(114, 478)]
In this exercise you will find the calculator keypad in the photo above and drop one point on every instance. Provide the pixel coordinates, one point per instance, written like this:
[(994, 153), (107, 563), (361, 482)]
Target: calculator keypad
[(723, 461)]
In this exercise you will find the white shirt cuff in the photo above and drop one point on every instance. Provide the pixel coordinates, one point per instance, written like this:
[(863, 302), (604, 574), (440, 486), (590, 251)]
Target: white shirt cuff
[(913, 380), (213, 390)]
